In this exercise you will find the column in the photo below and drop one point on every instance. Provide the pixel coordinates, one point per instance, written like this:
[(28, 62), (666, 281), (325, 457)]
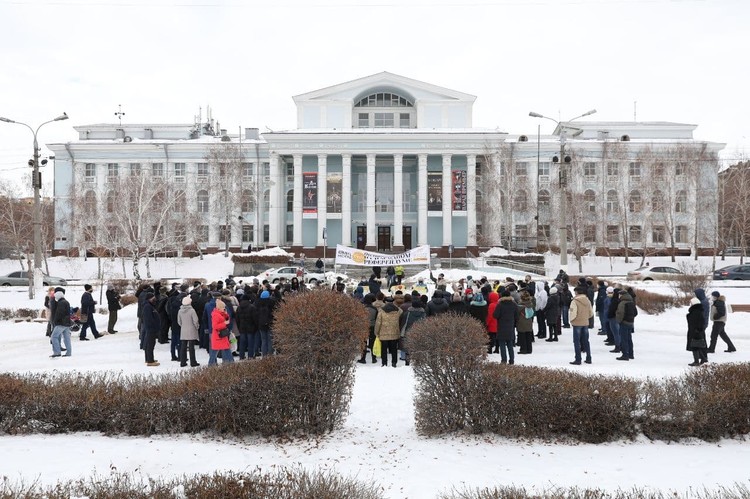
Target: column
[(346, 200), (322, 196), (447, 201), (274, 211), (371, 232), (398, 202), (297, 203), (471, 199), (422, 200)]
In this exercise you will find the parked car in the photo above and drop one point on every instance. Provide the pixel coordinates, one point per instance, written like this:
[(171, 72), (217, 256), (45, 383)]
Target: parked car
[(21, 278), (274, 275), (654, 274), (733, 273)]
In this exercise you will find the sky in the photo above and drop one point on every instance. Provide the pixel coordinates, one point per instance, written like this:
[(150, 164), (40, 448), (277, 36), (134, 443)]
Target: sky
[(378, 439), (164, 60)]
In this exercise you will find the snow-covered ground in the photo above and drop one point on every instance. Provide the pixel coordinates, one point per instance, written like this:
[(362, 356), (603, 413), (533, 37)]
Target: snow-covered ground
[(378, 440)]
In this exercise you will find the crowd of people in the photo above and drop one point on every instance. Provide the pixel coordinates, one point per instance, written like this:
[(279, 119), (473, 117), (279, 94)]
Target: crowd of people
[(230, 319)]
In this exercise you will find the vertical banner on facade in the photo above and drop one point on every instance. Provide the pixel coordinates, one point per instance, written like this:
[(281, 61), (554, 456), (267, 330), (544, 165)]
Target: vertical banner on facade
[(434, 191), (333, 193), (310, 195), (459, 190)]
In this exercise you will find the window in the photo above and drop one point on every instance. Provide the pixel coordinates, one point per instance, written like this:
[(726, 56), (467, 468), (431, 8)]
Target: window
[(543, 171), (266, 169), (267, 200), (659, 170), (223, 169), (544, 198), (383, 120), (179, 172), (635, 234), (635, 168), (202, 234), (522, 231), (613, 168), (180, 202), (613, 234), (657, 202), (247, 170), (363, 120), (157, 169), (521, 168), (135, 169), (521, 202), (112, 170), (247, 233), (289, 233), (612, 202), (657, 234), (681, 203), (111, 201), (180, 234), (225, 233), (680, 168), (404, 120), (589, 170), (202, 170), (89, 204), (89, 234), (589, 198), (384, 99), (89, 172), (290, 201), (202, 198), (246, 201), (113, 233), (544, 232), (589, 234), (635, 202), (266, 233), (681, 234)]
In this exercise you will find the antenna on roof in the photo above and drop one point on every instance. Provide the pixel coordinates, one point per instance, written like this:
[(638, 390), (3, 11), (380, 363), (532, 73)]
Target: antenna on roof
[(119, 113)]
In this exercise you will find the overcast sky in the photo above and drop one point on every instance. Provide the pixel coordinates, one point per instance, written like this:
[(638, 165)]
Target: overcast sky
[(679, 60)]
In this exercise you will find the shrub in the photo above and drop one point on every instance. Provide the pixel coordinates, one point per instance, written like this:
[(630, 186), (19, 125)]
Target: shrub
[(283, 259), (126, 300), (737, 491), (655, 303), (694, 275), (447, 352)]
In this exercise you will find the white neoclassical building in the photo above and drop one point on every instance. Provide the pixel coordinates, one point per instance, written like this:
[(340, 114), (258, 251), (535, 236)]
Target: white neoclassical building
[(386, 163)]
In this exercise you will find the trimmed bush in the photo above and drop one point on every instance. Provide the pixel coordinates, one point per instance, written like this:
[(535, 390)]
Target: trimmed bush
[(262, 259), (655, 303)]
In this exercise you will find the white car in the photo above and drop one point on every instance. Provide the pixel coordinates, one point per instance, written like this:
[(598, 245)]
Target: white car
[(275, 275), (654, 274)]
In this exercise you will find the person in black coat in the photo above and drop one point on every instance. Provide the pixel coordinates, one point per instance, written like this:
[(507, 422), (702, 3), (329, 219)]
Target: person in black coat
[(151, 326), (173, 308), (88, 307), (552, 313), (246, 316), (478, 309), (457, 304), (601, 296), (113, 305), (161, 308), (696, 333), (506, 314), (614, 327), (374, 285), (438, 305)]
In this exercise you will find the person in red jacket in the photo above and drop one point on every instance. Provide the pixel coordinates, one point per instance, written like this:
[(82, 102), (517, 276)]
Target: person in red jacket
[(220, 344), (492, 323)]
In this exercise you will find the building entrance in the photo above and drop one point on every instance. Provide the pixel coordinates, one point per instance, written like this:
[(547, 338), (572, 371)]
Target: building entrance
[(384, 238)]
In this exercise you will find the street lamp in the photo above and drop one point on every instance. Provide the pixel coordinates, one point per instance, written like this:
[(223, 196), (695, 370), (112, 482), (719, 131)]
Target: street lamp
[(563, 159), (36, 181)]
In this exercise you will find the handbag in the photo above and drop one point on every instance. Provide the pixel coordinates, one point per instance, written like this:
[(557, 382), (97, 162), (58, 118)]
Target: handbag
[(84, 317), (406, 322), (376, 347), (224, 333)]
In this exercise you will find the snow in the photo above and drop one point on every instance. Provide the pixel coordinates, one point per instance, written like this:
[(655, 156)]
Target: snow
[(378, 440)]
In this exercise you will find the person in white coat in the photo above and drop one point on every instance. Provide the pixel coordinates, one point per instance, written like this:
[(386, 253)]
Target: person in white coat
[(540, 295)]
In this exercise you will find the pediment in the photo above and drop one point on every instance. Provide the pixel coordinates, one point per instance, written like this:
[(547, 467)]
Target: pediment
[(415, 90)]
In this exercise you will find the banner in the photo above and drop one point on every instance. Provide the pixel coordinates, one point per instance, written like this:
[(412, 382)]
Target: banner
[(459, 190), (353, 256), (333, 193), (434, 191), (310, 196)]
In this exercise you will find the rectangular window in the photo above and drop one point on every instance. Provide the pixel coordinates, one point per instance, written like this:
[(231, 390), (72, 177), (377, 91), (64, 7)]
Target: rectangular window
[(223, 169), (247, 170), (404, 120), (635, 233), (679, 169), (112, 170), (225, 233), (247, 233), (112, 233), (589, 234), (289, 233), (543, 170), (383, 120), (179, 172), (544, 232), (135, 169), (180, 235), (266, 169), (681, 234), (521, 168), (202, 170), (659, 170), (202, 234), (89, 172), (363, 120), (89, 234), (613, 168), (266, 233), (157, 169), (635, 168), (657, 234), (613, 234), (522, 231), (589, 170)]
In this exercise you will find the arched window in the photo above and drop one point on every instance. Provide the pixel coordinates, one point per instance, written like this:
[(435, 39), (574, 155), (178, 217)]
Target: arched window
[(247, 204), (111, 201), (680, 205), (384, 99), (544, 198), (657, 201), (179, 202), (202, 199), (634, 202), (290, 200), (89, 204), (589, 198), (612, 201), (521, 201)]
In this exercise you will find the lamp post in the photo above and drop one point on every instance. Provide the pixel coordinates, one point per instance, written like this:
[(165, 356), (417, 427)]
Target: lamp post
[(36, 181), (563, 180)]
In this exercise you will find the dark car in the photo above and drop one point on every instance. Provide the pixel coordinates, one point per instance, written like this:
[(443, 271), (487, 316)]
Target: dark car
[(733, 273)]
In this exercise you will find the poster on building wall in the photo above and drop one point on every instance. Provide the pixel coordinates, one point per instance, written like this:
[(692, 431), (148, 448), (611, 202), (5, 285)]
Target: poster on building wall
[(459, 190), (333, 193), (434, 191), (310, 193)]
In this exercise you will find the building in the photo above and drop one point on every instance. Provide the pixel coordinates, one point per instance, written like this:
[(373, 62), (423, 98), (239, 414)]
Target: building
[(386, 163)]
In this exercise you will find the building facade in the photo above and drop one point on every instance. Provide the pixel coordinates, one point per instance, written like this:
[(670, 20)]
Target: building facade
[(384, 163)]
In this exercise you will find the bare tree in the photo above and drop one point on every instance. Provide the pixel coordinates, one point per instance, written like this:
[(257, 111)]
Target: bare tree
[(735, 207), (16, 220)]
